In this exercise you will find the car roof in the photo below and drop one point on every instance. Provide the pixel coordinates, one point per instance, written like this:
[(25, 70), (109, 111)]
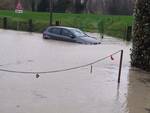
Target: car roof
[(64, 27)]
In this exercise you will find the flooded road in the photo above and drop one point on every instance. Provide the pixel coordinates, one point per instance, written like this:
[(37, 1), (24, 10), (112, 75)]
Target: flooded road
[(74, 91)]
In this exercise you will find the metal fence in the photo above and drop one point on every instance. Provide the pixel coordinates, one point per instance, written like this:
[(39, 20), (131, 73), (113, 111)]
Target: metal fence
[(35, 26)]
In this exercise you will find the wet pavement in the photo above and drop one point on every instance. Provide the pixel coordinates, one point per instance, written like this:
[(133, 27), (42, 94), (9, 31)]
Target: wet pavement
[(74, 91)]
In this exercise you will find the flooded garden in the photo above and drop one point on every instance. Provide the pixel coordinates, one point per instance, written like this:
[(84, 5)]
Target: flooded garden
[(73, 91)]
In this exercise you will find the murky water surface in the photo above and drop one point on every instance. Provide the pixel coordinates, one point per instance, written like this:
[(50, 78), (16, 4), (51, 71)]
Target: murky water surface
[(75, 91)]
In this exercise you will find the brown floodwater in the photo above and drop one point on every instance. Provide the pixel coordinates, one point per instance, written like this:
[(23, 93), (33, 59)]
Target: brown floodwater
[(74, 91)]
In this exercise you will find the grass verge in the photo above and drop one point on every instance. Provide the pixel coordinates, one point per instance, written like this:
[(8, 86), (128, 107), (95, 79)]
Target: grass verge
[(113, 25)]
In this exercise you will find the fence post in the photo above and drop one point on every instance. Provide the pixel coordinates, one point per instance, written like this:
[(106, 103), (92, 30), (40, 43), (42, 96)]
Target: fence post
[(57, 23), (101, 29), (18, 25), (5, 22), (91, 71), (129, 33), (30, 25), (120, 66)]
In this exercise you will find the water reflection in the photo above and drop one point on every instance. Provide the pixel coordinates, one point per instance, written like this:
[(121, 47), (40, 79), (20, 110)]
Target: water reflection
[(138, 91)]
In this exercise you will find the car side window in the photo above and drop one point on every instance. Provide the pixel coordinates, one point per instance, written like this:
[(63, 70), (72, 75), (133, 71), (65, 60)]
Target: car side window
[(66, 32), (55, 31)]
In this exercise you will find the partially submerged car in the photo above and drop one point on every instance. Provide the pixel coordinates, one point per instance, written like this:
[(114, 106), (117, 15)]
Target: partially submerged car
[(69, 34)]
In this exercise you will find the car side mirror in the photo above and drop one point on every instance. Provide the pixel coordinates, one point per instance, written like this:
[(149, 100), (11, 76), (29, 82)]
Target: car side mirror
[(72, 36)]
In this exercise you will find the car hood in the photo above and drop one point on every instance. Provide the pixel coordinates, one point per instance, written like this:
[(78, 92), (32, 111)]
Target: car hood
[(88, 40)]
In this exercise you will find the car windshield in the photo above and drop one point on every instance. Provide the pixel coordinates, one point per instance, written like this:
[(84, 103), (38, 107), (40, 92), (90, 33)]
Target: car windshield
[(78, 32)]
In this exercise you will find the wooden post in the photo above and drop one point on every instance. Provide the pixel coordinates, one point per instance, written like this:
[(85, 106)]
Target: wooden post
[(129, 33), (30, 23), (18, 25), (50, 12), (5, 22), (57, 23), (91, 71), (120, 66)]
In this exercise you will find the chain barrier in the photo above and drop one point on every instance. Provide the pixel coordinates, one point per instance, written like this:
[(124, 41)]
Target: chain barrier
[(61, 70)]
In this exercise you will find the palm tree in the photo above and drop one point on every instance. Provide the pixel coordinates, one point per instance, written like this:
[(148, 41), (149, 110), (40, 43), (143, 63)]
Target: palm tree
[(140, 56)]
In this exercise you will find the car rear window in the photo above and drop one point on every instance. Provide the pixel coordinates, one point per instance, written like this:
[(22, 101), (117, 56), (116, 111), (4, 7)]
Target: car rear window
[(55, 30), (66, 32)]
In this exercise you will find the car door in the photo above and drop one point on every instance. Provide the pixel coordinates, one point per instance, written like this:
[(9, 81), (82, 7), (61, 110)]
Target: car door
[(54, 33), (67, 35)]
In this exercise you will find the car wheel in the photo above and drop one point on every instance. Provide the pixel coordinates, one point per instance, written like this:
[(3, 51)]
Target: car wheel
[(44, 37)]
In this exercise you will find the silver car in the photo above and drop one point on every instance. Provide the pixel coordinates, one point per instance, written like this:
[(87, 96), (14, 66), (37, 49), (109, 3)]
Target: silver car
[(68, 34)]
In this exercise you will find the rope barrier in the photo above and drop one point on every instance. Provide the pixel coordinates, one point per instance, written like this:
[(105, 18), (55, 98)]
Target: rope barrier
[(61, 70)]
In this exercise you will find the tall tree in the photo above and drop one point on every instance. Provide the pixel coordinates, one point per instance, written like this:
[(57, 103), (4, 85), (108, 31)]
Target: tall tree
[(62, 5), (141, 40), (33, 5), (78, 6), (43, 6)]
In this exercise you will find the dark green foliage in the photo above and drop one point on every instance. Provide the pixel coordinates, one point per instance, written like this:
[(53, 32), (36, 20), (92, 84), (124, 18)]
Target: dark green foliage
[(140, 56), (118, 7), (78, 6), (33, 5), (94, 6), (43, 6), (62, 5)]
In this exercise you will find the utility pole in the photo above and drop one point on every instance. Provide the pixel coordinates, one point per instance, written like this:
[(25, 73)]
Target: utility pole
[(50, 12)]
